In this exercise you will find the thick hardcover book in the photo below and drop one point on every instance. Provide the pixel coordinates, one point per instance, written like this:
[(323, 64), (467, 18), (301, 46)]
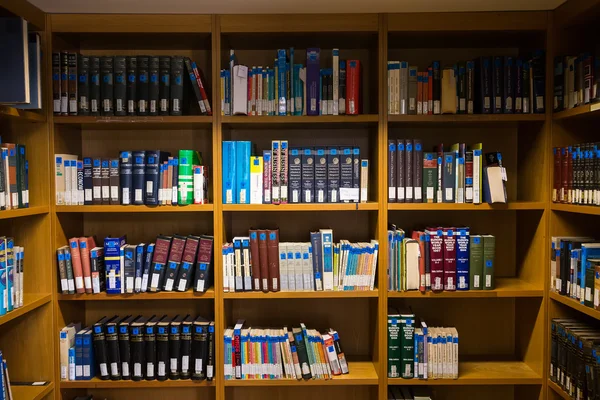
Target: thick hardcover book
[(126, 176), (538, 75), (347, 193), (470, 82), (283, 171), (437, 88), (138, 176), (73, 97), (186, 346), (120, 85), (114, 181), (392, 159), (64, 83), (409, 172), (358, 169), (273, 259), (143, 75), (519, 86), (302, 351), (105, 180), (106, 86), (87, 181), (353, 88), (468, 176), (97, 181), (83, 85), (407, 345), (159, 263), (333, 175), (174, 340), (509, 85), (132, 85), (185, 176), (199, 79), (461, 88), (56, 80), (164, 88), (312, 81), (430, 169), (85, 245), (188, 260), (112, 263), (112, 348), (125, 346), (295, 175), (195, 86), (162, 349), (140, 257), (100, 351), (526, 87), (436, 258), (559, 84), (449, 259), (204, 266), (394, 344), (412, 89), (401, 170), (94, 100), (255, 259), (173, 262), (177, 86), (153, 85), (154, 158), (267, 176), (497, 85), (321, 175), (129, 268), (418, 171), (199, 348), (557, 186), (489, 250), (275, 171), (449, 178), (98, 269), (77, 265), (150, 348), (308, 175), (484, 85)]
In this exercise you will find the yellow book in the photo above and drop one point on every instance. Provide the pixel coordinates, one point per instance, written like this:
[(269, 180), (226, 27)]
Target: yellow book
[(256, 180)]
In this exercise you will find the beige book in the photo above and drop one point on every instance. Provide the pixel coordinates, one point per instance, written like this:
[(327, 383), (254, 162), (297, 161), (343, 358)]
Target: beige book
[(448, 91)]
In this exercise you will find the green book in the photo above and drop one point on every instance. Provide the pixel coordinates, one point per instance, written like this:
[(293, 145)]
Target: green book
[(430, 178), (393, 328), (302, 353), (187, 160), (309, 351), (489, 251), (407, 345), (476, 262)]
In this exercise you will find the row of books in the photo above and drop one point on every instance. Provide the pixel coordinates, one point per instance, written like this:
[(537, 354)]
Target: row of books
[(120, 85), (416, 351), (5, 386), (576, 81), (14, 176), (278, 353), (454, 175), (575, 357), (12, 262), (172, 263), (150, 177), (488, 85), (260, 262), (577, 174), (405, 393), (137, 348), (293, 175), (575, 268), (440, 259), (290, 88), (21, 84)]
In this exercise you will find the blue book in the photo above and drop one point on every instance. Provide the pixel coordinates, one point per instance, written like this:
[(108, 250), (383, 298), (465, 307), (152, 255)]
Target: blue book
[(229, 172), (462, 259), (327, 256), (87, 357), (126, 177), (297, 90), (588, 251), (227, 75), (140, 256), (242, 172), (317, 251), (154, 163), (35, 88), (4, 277), (14, 69), (112, 264), (497, 85), (147, 265), (10, 272), (87, 181), (138, 181), (282, 87), (79, 355), (175, 180)]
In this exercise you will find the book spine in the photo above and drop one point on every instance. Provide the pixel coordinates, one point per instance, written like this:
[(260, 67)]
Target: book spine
[(418, 171), (164, 87), (284, 171), (276, 171), (462, 259), (308, 175), (132, 86), (409, 172), (312, 81), (489, 249), (153, 85), (436, 258), (83, 85), (333, 175), (320, 186), (295, 175), (126, 174), (106, 88), (497, 86), (73, 97), (400, 171), (56, 83), (267, 176)]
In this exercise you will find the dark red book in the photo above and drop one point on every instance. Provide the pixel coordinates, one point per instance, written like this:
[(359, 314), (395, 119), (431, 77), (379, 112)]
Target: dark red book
[(174, 261), (449, 259), (186, 270), (263, 260), (159, 262), (204, 268), (556, 192), (273, 259), (353, 87), (565, 157), (436, 258)]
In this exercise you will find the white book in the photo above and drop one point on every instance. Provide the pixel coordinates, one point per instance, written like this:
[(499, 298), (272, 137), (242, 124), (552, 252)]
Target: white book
[(291, 278), (252, 109), (364, 180), (283, 267), (298, 271), (327, 256), (200, 185), (239, 86), (238, 267), (74, 188), (307, 278), (231, 267), (477, 164)]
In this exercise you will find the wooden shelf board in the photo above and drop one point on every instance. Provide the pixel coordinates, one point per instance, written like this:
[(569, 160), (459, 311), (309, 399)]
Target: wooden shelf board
[(515, 205), (30, 303), (361, 373), (576, 305), (96, 383), (134, 209), (574, 208), (21, 115), (466, 118), (587, 110), (124, 23), (24, 212), (558, 390), (288, 23), (158, 122), (481, 373), (372, 206), (300, 295), (505, 287), (31, 392), (189, 295), (258, 121)]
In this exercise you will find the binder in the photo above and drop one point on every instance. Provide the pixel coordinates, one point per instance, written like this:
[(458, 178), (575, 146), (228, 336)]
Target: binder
[(126, 177), (203, 275), (176, 86), (164, 88), (173, 261), (186, 271), (162, 349), (83, 85), (95, 102), (131, 85), (106, 85), (153, 85), (143, 84), (138, 178), (100, 350), (229, 192)]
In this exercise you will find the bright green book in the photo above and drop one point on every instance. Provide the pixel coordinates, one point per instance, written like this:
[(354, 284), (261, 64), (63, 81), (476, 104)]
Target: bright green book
[(187, 160)]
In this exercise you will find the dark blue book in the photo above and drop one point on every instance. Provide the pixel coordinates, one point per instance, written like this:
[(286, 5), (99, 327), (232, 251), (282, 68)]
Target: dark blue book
[(14, 68), (308, 175), (449, 177), (94, 99), (153, 78), (497, 85), (321, 175), (140, 258), (175, 181), (295, 175), (129, 268), (131, 85), (120, 85), (147, 265), (356, 171), (35, 88), (79, 355), (154, 160), (559, 81), (83, 85), (509, 85), (87, 357), (538, 74), (126, 176), (333, 175), (462, 259), (346, 173), (317, 252), (139, 171), (484, 85)]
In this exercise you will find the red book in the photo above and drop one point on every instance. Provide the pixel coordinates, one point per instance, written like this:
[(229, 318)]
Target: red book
[(159, 262), (469, 177), (353, 87), (85, 246), (430, 93), (264, 260), (436, 258), (449, 259), (420, 236), (202, 91), (557, 175), (273, 259), (203, 267), (77, 267), (165, 185)]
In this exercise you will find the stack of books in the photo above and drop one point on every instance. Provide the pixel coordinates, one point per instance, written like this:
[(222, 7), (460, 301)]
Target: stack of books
[(577, 174), (286, 174), (5, 387), (278, 353), (12, 260), (118, 85), (440, 259), (150, 177), (139, 348), (259, 262), (292, 89), (576, 81), (172, 263), (14, 176)]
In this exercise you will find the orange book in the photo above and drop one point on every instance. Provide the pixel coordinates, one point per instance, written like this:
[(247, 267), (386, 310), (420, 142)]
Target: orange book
[(85, 245), (420, 237), (77, 267)]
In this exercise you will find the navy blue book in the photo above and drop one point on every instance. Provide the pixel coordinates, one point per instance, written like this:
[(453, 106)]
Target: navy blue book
[(140, 257), (79, 355), (94, 100), (316, 248), (509, 85), (35, 88), (87, 181), (295, 175), (308, 175), (538, 76), (333, 175), (87, 358), (484, 85), (147, 265), (126, 162), (139, 170), (497, 86), (175, 180), (154, 159), (14, 68)]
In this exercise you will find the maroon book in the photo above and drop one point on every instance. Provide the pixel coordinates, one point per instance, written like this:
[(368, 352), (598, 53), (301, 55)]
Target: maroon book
[(263, 259), (186, 270), (174, 261), (255, 260), (159, 262), (203, 266), (273, 259), (449, 259), (436, 258)]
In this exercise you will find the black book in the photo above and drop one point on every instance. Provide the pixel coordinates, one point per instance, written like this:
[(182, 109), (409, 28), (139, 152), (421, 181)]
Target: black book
[(73, 97), (333, 175), (437, 88), (124, 346), (64, 83), (210, 361), (150, 347), (154, 159), (175, 348), (128, 272), (538, 74), (175, 181), (195, 87), (56, 83), (106, 86), (295, 175), (132, 85), (509, 85), (176, 86), (162, 349), (105, 181), (142, 85), (164, 87), (126, 176), (461, 85), (87, 181), (302, 352), (120, 85), (137, 348), (497, 86), (199, 349), (139, 170), (83, 85), (100, 351), (112, 347), (308, 175), (483, 71), (96, 181), (97, 267), (185, 347), (526, 72), (94, 99), (115, 181), (153, 86), (559, 82)]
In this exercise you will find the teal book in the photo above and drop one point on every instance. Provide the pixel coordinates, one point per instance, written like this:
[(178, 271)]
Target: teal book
[(394, 354)]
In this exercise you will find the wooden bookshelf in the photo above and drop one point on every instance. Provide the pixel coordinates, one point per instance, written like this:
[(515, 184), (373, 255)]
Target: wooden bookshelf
[(369, 206), (577, 209), (575, 305), (301, 295), (97, 383), (135, 209), (32, 392), (21, 115), (467, 119), (558, 391), (584, 111), (24, 212), (505, 287), (517, 205), (160, 296), (30, 303)]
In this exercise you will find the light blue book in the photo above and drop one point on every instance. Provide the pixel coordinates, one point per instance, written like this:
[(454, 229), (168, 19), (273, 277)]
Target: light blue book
[(229, 172), (242, 171)]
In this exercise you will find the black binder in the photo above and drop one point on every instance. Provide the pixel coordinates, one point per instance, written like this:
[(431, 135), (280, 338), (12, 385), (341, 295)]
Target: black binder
[(199, 349), (139, 170), (83, 85), (186, 347), (153, 77), (100, 351), (174, 348), (137, 348), (142, 85), (162, 349), (131, 85), (112, 347), (124, 346), (177, 76), (106, 85), (150, 347), (126, 177), (120, 85), (164, 92), (94, 99)]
